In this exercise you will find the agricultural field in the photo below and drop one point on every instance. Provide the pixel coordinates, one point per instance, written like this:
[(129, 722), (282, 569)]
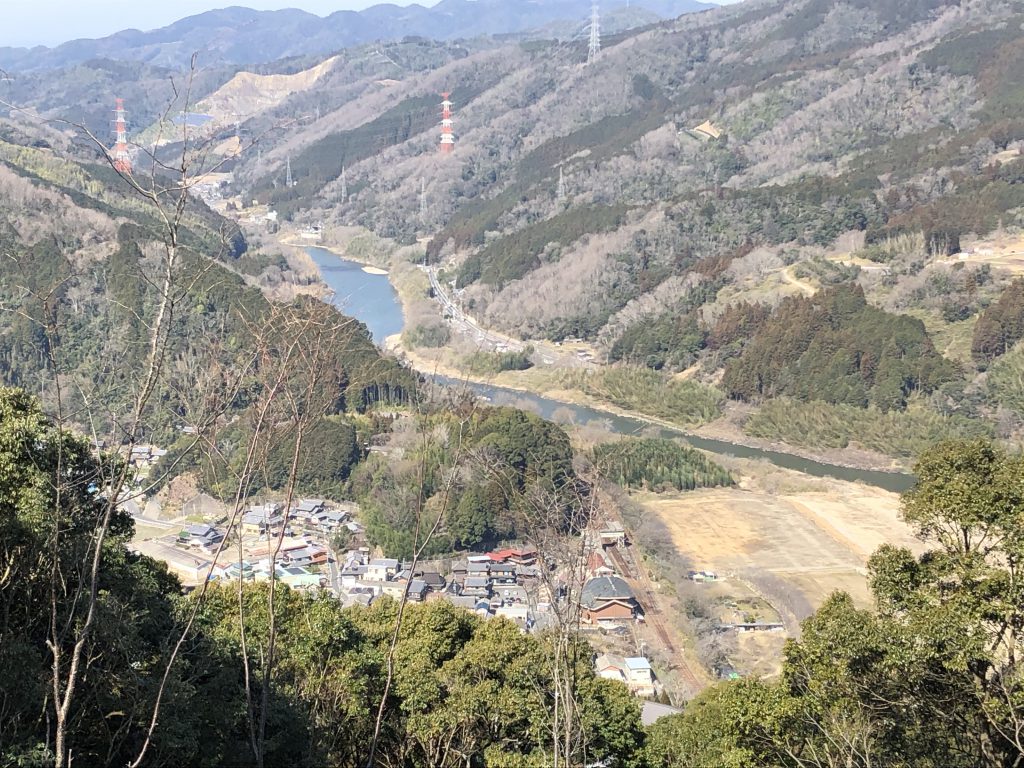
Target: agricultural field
[(808, 544)]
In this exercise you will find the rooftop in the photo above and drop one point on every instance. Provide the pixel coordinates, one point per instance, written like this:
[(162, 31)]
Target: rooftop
[(604, 588), (652, 711)]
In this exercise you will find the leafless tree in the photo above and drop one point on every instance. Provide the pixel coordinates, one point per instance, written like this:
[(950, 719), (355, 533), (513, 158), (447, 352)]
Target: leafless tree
[(167, 189), (426, 528)]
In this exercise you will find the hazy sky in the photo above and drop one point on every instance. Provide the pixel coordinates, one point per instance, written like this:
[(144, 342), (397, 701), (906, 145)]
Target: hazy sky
[(48, 22)]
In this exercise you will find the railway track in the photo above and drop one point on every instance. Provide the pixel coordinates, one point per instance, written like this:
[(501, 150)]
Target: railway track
[(640, 582)]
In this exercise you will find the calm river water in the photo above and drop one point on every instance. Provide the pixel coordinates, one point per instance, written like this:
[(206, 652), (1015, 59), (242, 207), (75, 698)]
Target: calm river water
[(373, 300), (366, 297)]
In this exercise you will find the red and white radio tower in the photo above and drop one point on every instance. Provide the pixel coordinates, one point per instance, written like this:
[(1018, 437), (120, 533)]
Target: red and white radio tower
[(121, 155), (447, 137)]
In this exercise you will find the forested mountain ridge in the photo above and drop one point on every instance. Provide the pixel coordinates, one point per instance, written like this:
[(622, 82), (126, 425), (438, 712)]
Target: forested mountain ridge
[(740, 155), (825, 98), (81, 265), (239, 35)]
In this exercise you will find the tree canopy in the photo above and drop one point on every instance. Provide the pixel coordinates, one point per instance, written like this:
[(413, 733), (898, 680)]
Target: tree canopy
[(835, 347)]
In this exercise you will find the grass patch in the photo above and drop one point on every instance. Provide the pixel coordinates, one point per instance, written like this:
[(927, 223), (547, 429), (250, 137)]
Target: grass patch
[(895, 433), (652, 393), (493, 363)]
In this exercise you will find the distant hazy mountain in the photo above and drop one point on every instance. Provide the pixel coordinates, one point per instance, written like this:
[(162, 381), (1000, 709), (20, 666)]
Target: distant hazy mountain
[(243, 36)]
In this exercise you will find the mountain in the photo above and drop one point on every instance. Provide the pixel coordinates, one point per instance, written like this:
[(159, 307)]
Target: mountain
[(722, 160), (238, 35), (70, 229)]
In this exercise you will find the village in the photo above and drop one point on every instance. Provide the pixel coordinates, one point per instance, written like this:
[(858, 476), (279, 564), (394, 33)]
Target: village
[(318, 546)]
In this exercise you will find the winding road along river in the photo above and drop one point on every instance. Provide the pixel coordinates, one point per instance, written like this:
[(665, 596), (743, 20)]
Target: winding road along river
[(372, 299)]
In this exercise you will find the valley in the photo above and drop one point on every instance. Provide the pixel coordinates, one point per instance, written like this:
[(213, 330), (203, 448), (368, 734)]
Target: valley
[(516, 384)]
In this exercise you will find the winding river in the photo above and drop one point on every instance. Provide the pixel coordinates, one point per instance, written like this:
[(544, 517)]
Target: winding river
[(363, 295), (372, 299)]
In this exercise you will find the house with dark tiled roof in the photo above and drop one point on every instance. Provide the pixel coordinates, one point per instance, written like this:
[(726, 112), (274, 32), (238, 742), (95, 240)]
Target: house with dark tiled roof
[(608, 599), (201, 535), (477, 586)]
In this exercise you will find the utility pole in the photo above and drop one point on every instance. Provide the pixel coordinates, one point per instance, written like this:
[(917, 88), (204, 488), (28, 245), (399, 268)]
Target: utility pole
[(595, 34)]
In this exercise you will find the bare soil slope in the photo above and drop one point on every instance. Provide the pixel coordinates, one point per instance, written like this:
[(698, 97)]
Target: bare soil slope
[(247, 94)]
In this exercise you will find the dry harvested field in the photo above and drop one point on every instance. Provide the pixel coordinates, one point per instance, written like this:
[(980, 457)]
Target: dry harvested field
[(814, 542), (1002, 251)]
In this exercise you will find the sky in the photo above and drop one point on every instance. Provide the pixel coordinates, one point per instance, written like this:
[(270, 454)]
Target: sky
[(49, 22)]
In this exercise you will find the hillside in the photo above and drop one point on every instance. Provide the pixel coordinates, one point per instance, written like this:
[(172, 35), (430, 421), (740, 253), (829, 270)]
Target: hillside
[(236, 532), (248, 93), (740, 155), (83, 260), (239, 35)]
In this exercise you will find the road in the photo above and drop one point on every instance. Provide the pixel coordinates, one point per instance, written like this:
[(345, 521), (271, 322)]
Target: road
[(177, 524), (547, 353), (805, 288), (464, 322), (335, 574)]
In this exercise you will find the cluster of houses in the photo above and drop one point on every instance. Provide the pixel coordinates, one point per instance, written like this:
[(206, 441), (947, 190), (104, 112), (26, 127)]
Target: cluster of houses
[(298, 538), (608, 601), (503, 583), (295, 576), (494, 584), (309, 514), (295, 557), (145, 456), (294, 564)]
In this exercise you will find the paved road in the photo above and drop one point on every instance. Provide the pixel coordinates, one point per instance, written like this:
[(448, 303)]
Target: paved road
[(464, 322), (335, 576), (158, 523), (548, 354)]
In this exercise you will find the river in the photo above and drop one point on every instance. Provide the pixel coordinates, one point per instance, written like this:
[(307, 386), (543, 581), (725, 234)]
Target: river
[(367, 297), (373, 300)]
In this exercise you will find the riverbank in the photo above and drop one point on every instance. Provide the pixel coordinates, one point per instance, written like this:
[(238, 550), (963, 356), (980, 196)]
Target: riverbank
[(553, 390), (550, 384), (295, 242)]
